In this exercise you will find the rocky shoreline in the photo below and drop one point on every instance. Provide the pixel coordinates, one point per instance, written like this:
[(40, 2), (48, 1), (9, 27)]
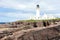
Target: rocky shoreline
[(41, 30)]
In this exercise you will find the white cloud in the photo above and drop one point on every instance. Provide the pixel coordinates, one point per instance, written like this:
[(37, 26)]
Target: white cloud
[(11, 4), (16, 5), (19, 15), (55, 15), (46, 6), (9, 17)]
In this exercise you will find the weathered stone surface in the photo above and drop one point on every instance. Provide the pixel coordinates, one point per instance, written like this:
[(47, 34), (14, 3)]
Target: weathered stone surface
[(50, 33), (40, 30), (27, 23), (40, 24)]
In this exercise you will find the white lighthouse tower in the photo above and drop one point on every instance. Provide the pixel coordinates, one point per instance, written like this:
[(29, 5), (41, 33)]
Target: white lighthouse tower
[(37, 12), (37, 16)]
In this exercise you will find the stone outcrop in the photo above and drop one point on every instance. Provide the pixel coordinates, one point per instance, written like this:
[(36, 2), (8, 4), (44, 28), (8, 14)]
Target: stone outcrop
[(25, 30), (24, 24), (49, 33)]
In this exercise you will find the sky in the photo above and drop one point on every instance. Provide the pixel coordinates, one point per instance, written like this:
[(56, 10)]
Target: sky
[(13, 10)]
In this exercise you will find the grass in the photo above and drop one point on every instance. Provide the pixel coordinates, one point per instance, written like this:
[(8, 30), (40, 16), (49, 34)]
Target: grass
[(37, 20), (28, 20)]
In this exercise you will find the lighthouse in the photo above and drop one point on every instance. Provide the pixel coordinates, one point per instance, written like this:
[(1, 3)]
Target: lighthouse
[(39, 17), (37, 12)]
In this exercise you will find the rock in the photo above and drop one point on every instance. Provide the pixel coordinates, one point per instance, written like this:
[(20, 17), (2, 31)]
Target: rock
[(36, 34)]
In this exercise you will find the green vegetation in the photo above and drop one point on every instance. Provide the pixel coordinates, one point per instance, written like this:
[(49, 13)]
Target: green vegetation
[(38, 20), (28, 20)]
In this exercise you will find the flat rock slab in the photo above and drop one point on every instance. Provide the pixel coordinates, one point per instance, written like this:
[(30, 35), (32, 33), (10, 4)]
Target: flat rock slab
[(50, 33)]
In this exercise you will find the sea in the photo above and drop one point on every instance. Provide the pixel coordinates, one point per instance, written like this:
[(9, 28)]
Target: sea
[(2, 22)]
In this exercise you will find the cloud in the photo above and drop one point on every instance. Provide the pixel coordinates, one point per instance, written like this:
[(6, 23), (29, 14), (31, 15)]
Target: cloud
[(19, 15), (15, 16), (11, 4), (55, 15), (27, 5), (46, 6)]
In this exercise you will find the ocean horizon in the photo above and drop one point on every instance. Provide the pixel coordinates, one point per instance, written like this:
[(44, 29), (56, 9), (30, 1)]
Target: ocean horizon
[(2, 22)]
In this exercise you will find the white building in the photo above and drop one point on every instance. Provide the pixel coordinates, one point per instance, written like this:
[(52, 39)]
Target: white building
[(39, 17)]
